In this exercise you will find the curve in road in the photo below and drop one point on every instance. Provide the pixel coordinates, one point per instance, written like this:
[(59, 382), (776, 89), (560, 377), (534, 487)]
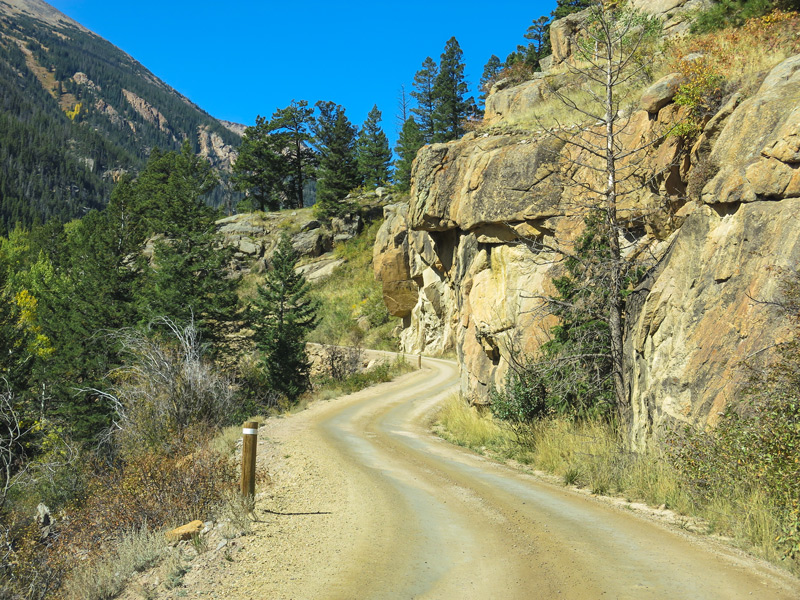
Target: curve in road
[(433, 521)]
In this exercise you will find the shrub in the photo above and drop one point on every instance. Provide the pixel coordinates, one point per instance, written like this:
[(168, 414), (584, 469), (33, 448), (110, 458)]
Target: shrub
[(754, 447), (167, 387), (702, 94), (732, 13), (732, 59), (521, 403), (341, 362), (148, 490), (360, 380)]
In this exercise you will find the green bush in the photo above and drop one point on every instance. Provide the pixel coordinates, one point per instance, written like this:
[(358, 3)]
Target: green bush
[(755, 446), (734, 13), (524, 398)]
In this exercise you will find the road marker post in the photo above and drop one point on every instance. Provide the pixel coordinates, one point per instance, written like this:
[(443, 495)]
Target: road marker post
[(249, 443), (419, 361)]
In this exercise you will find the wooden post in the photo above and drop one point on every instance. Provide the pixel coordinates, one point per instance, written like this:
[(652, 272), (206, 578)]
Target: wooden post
[(419, 361), (249, 442)]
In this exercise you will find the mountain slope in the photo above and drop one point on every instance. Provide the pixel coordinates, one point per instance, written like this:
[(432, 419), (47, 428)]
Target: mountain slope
[(76, 112)]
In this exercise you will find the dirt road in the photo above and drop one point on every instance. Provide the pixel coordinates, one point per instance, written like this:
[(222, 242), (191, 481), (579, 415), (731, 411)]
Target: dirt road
[(368, 504)]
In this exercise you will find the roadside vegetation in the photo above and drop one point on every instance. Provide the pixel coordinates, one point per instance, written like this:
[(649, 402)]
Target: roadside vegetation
[(352, 312), (117, 378), (559, 411)]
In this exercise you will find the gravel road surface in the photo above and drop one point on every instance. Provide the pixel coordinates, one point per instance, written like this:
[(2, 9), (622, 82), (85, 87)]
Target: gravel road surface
[(366, 503)]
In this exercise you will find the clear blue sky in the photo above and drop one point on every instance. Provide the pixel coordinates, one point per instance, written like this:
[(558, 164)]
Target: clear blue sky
[(241, 58)]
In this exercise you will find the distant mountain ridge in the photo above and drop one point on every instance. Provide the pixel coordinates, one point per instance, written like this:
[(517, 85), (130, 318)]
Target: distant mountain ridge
[(39, 10), (77, 112)]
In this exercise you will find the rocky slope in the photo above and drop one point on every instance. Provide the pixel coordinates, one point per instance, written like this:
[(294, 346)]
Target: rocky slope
[(75, 112), (466, 266)]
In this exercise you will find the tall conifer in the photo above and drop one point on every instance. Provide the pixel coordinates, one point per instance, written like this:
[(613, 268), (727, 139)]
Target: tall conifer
[(424, 94), (337, 174), (449, 90), (282, 314), (490, 72), (374, 156), (409, 142)]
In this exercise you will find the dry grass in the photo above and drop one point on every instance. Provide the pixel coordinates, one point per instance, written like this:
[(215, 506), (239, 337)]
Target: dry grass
[(553, 112), (742, 55), (590, 455), (464, 425), (136, 551), (352, 311)]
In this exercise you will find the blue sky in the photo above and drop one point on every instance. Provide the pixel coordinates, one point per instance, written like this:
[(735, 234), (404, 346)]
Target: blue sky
[(243, 58)]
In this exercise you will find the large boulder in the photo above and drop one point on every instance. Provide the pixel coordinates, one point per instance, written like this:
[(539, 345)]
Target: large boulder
[(661, 93), (563, 34), (757, 152), (707, 311), (515, 100), (311, 243), (469, 183)]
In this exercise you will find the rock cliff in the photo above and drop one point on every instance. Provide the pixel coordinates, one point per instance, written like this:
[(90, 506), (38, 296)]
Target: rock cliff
[(466, 262)]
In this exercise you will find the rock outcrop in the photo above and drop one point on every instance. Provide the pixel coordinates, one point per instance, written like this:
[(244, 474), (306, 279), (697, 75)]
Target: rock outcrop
[(147, 111), (675, 16), (468, 264), (214, 149), (253, 237)]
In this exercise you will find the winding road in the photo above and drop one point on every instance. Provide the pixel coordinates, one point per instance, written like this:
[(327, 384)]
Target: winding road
[(403, 514)]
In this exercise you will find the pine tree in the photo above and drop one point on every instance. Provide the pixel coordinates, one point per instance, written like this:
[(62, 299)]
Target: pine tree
[(409, 142), (185, 279), (567, 7), (490, 72), (260, 168), (423, 93), (282, 314), (539, 34), (276, 159), (337, 174), (372, 149), (290, 126), (449, 90)]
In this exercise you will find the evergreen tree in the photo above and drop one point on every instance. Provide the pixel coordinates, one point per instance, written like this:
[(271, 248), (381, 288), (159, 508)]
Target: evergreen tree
[(409, 142), (276, 160), (490, 72), (567, 7), (372, 147), (423, 93), (282, 315), (90, 292), (449, 89), (170, 193), (539, 34), (186, 277), (260, 168), (337, 174), (290, 126)]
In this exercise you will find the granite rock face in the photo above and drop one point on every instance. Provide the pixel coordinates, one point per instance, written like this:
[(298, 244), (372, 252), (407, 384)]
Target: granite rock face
[(468, 262)]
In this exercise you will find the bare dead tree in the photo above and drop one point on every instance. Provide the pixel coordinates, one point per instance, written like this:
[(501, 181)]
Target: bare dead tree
[(342, 361), (403, 108), (602, 161)]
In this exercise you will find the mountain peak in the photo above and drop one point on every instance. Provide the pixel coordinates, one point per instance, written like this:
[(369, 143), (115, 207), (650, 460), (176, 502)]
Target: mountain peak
[(38, 10)]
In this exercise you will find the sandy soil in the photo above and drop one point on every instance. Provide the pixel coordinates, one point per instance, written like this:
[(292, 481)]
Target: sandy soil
[(365, 503)]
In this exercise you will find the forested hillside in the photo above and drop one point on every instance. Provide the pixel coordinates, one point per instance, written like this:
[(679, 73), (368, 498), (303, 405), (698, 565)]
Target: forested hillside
[(75, 113)]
